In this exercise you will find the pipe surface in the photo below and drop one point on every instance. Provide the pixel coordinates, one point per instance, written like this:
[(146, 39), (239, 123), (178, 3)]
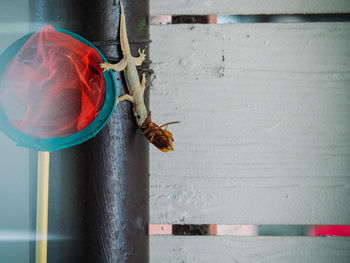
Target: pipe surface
[(98, 197)]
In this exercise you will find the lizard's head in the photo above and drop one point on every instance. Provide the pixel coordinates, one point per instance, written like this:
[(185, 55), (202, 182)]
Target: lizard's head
[(140, 113)]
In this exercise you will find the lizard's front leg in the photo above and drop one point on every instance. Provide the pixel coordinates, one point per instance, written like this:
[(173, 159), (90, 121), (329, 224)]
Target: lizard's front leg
[(138, 61), (116, 67), (143, 82), (125, 97)]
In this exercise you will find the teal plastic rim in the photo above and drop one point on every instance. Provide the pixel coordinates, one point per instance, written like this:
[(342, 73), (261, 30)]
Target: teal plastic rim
[(58, 143)]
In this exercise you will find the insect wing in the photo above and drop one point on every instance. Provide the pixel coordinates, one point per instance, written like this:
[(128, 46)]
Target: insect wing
[(162, 139)]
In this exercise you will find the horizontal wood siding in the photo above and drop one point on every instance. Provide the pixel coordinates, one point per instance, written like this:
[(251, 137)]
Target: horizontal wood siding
[(265, 123), (249, 249), (183, 7)]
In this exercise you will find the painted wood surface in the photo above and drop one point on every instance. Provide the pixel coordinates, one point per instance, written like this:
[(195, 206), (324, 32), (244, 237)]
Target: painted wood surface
[(172, 249), (230, 7), (265, 123)]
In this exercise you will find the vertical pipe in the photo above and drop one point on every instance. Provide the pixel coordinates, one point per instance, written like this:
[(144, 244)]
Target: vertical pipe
[(98, 209)]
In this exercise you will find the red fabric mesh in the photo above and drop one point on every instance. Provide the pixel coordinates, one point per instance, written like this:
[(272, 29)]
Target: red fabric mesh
[(54, 86)]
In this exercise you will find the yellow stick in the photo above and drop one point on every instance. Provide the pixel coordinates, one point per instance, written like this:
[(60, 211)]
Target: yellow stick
[(42, 207)]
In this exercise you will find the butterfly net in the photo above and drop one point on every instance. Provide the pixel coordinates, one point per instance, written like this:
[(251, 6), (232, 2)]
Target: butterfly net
[(53, 86)]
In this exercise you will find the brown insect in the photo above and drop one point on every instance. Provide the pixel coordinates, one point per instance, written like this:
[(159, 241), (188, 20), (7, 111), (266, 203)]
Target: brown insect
[(161, 138)]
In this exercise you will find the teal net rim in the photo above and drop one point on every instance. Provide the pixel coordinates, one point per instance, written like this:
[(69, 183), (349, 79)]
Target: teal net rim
[(58, 143)]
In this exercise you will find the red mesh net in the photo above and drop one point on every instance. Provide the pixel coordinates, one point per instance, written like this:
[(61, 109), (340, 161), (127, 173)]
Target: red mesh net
[(54, 86)]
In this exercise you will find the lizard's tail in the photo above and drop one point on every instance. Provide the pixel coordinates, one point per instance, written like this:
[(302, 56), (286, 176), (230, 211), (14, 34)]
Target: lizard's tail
[(123, 35), (121, 7)]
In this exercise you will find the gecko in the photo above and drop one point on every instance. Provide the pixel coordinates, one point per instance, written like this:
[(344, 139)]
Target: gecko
[(159, 137)]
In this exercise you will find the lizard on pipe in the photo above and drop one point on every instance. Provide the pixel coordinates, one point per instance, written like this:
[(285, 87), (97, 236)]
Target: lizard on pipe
[(159, 137)]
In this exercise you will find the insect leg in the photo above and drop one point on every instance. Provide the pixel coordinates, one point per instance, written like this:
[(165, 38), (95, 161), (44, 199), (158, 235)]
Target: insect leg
[(152, 136)]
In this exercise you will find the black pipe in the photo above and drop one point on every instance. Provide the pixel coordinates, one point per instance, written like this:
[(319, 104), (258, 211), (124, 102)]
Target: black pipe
[(98, 197)]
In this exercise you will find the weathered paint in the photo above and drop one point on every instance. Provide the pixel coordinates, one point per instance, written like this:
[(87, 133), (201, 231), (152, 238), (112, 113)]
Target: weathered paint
[(172, 249), (264, 136), (231, 7)]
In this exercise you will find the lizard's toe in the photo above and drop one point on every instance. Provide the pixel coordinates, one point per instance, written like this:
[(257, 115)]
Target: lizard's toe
[(105, 66)]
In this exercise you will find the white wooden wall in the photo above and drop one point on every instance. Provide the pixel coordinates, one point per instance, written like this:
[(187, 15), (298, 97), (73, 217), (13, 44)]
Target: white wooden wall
[(230, 7), (264, 135)]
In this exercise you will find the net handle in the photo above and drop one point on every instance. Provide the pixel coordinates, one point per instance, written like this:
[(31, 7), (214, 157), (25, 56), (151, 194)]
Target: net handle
[(42, 207)]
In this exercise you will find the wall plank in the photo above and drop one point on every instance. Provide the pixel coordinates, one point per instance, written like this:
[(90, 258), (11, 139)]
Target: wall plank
[(249, 249), (265, 123), (230, 7)]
